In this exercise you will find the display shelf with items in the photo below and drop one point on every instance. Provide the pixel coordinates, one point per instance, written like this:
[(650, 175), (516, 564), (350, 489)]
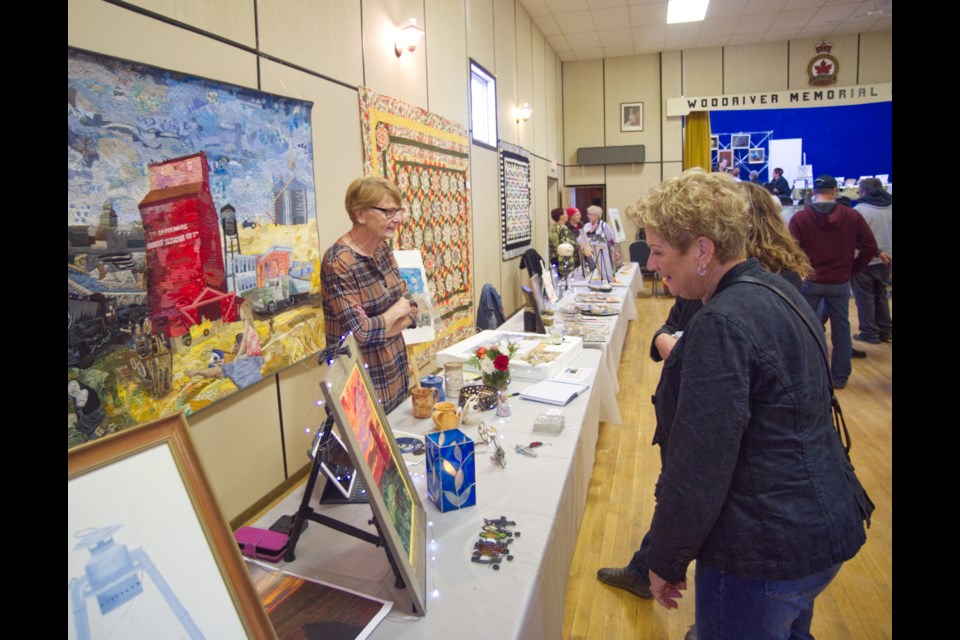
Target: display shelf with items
[(535, 358)]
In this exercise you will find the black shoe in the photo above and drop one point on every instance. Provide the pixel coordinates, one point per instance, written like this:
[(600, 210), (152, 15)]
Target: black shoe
[(839, 385), (886, 339), (623, 578), (856, 353), (867, 339)]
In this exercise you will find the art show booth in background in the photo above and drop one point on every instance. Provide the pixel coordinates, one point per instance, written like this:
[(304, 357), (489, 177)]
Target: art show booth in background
[(848, 141)]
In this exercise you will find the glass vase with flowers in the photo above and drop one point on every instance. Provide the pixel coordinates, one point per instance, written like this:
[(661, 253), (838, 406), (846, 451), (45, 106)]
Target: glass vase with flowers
[(493, 362)]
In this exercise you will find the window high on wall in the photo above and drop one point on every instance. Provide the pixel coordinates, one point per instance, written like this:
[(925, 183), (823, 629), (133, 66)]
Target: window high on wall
[(483, 106)]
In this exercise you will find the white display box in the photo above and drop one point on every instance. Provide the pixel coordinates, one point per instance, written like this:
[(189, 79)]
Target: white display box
[(536, 345)]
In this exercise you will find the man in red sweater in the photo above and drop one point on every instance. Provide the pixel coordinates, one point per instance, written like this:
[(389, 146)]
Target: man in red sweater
[(840, 244)]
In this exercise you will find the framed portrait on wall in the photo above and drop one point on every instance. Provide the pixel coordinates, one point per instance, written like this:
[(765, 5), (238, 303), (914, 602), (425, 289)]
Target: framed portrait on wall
[(140, 500), (740, 141), (631, 116), (756, 155), (724, 154), (714, 143)]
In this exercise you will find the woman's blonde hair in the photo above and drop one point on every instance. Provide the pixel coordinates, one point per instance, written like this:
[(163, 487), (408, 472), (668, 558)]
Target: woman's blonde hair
[(769, 240), (695, 204), (367, 192)]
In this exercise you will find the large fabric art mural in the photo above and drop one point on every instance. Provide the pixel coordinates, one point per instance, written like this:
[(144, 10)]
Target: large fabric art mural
[(427, 156), (192, 250), (516, 222)]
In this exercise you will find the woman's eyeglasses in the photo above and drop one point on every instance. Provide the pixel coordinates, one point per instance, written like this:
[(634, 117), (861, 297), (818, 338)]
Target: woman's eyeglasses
[(390, 213)]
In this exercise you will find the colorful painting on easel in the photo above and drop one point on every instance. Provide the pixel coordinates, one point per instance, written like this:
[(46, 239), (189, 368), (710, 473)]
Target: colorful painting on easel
[(192, 253), (390, 483)]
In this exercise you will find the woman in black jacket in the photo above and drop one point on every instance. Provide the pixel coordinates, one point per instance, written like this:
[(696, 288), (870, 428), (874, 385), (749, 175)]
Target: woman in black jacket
[(755, 485)]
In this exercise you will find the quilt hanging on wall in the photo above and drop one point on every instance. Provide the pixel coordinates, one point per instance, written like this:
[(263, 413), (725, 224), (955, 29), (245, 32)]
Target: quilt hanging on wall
[(192, 252), (516, 221), (427, 156)]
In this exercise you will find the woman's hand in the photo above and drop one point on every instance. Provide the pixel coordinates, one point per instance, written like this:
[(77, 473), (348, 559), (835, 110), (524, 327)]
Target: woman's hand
[(664, 592), (664, 343)]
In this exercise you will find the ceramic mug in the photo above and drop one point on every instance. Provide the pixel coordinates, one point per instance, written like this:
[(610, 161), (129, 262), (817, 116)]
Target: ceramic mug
[(434, 381), (423, 400), (445, 415)]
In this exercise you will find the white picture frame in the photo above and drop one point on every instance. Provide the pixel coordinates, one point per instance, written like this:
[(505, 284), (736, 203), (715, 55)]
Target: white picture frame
[(617, 223)]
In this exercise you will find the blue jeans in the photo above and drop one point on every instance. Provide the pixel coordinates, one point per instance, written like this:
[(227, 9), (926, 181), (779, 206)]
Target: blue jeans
[(756, 609), (873, 305), (836, 297)]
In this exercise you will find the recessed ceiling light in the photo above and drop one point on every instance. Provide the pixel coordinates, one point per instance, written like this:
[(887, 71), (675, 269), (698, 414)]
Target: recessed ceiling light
[(686, 10)]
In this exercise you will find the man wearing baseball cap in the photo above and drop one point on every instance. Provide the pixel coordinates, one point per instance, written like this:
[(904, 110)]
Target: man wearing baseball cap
[(840, 244)]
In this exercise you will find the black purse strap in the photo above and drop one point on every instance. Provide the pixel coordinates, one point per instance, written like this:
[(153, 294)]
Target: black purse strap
[(838, 422)]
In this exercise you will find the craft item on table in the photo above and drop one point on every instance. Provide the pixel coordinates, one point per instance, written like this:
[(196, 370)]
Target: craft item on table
[(451, 470), (411, 446), (596, 296), (488, 435), (494, 542), (598, 309), (600, 286), (527, 451), (493, 362), (423, 400), (549, 423), (433, 381), (453, 378)]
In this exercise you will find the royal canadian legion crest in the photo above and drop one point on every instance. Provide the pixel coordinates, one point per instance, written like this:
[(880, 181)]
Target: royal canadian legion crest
[(823, 67)]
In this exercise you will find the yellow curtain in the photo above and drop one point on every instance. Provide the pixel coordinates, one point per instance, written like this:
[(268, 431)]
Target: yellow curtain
[(696, 141)]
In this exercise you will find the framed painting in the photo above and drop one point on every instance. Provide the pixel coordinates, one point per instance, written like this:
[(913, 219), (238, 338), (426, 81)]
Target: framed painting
[(714, 142), (631, 116), (724, 159), (757, 155), (149, 553), (617, 223), (740, 141), (373, 450), (410, 263)]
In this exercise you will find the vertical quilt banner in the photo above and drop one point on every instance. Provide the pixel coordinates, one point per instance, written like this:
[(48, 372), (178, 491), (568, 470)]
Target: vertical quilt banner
[(427, 156), (516, 221)]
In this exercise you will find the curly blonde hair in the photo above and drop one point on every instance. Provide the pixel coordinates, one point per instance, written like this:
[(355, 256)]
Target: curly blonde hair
[(695, 204), (769, 240)]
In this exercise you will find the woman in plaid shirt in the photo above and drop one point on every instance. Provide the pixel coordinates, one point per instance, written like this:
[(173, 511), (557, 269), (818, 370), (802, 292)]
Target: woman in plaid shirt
[(363, 291)]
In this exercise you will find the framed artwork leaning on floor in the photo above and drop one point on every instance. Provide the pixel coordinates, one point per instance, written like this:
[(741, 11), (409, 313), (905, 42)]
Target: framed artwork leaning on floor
[(149, 553)]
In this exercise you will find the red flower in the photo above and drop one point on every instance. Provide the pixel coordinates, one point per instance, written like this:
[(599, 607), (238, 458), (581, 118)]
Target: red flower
[(501, 363), (482, 351)]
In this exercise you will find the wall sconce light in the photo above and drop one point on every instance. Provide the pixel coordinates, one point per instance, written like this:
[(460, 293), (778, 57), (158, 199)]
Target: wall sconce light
[(522, 114), (408, 38)]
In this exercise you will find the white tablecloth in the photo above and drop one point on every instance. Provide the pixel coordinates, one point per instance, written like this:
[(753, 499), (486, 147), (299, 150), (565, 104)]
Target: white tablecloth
[(611, 349), (628, 275), (546, 496)]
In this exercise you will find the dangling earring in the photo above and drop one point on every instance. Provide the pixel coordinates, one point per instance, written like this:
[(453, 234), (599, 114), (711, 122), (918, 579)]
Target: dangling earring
[(701, 269)]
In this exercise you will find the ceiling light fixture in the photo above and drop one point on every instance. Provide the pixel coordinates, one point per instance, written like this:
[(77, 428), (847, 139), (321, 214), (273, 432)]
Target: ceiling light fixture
[(408, 38), (686, 10)]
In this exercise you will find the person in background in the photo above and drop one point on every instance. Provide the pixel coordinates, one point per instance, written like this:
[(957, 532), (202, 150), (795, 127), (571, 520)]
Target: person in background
[(597, 230), (779, 185), (558, 234), (363, 292), (840, 244), (870, 285), (745, 428), (755, 177), (576, 227)]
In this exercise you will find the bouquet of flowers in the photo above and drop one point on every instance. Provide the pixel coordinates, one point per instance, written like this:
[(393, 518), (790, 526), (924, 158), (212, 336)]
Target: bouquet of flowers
[(494, 363)]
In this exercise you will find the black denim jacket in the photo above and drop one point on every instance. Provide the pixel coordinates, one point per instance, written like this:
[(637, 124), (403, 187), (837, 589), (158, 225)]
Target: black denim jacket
[(755, 481)]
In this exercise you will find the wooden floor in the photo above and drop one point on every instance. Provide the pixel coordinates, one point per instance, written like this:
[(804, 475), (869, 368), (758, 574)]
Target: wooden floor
[(857, 604)]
